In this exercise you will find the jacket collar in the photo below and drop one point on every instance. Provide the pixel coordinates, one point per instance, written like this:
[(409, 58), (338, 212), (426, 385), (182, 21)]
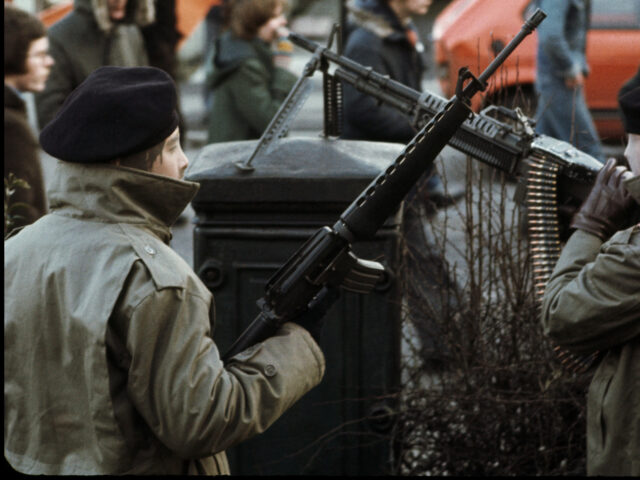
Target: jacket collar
[(107, 193), (377, 17), (13, 100), (142, 12), (633, 186), (231, 52)]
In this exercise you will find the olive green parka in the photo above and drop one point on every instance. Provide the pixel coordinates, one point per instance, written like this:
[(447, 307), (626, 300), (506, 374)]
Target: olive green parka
[(247, 88), (109, 366), (592, 302)]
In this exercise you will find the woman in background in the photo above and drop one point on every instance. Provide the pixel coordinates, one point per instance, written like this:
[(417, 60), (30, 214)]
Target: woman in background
[(248, 74), (27, 65)]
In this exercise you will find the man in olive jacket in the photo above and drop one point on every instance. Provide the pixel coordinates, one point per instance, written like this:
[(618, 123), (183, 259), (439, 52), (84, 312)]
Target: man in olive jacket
[(592, 303), (109, 366)]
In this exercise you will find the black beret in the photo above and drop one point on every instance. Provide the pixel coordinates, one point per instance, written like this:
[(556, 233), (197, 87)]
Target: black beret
[(629, 100), (115, 112)]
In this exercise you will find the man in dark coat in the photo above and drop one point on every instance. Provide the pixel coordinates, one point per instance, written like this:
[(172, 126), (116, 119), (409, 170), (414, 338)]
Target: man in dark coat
[(26, 67), (592, 302), (382, 36), (161, 39)]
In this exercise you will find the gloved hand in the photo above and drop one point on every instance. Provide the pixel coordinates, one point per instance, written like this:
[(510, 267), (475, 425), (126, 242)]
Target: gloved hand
[(606, 209), (313, 318)]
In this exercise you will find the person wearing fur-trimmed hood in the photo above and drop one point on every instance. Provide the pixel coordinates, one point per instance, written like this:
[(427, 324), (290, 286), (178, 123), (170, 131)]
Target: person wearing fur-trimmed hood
[(96, 33)]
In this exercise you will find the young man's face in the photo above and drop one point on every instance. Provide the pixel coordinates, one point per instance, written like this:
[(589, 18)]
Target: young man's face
[(172, 162), (271, 30), (38, 65), (418, 7), (632, 153), (117, 9), (406, 9)]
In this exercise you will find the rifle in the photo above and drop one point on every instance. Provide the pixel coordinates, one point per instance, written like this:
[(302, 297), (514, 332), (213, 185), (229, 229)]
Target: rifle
[(553, 176), (326, 259)]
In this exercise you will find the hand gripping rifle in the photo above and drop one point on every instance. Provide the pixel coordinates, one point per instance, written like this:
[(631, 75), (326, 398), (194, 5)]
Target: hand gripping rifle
[(553, 176), (326, 258)]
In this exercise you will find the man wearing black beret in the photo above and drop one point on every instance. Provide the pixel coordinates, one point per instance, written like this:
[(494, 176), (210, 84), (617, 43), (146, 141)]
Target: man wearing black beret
[(592, 302), (109, 366)]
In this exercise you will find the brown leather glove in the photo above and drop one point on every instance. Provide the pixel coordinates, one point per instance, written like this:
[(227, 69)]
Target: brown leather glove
[(606, 209)]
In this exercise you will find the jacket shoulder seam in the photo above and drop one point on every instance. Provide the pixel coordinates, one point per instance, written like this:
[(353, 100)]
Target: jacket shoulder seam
[(153, 254)]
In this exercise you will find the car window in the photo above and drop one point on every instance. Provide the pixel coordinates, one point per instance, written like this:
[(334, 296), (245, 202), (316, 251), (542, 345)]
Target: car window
[(615, 15)]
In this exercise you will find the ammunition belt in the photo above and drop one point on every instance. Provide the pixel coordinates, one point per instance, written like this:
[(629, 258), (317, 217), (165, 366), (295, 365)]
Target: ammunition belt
[(544, 238)]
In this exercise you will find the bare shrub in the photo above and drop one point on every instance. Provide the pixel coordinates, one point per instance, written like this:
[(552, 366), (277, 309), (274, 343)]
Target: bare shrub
[(483, 393)]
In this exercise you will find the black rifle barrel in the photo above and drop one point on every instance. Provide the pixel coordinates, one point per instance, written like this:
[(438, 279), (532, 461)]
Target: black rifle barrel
[(529, 26)]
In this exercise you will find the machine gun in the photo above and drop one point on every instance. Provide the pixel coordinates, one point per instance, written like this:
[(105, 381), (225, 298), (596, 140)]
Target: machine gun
[(326, 259), (486, 136), (553, 176)]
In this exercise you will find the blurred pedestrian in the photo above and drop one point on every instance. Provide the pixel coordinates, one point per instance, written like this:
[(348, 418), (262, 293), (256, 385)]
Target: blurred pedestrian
[(592, 302), (27, 64), (562, 69), (381, 35), (214, 25), (95, 33), (109, 364), (161, 38), (161, 44), (248, 76)]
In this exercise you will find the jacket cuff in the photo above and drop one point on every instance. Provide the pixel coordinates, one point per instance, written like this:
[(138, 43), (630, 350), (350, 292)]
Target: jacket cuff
[(582, 247), (314, 349), (633, 185), (573, 72)]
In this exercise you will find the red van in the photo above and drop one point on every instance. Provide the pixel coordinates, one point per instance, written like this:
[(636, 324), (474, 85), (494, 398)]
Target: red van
[(471, 32)]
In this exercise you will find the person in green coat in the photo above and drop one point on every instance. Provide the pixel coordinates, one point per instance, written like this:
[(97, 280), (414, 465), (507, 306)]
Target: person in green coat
[(248, 79), (109, 363), (592, 302)]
